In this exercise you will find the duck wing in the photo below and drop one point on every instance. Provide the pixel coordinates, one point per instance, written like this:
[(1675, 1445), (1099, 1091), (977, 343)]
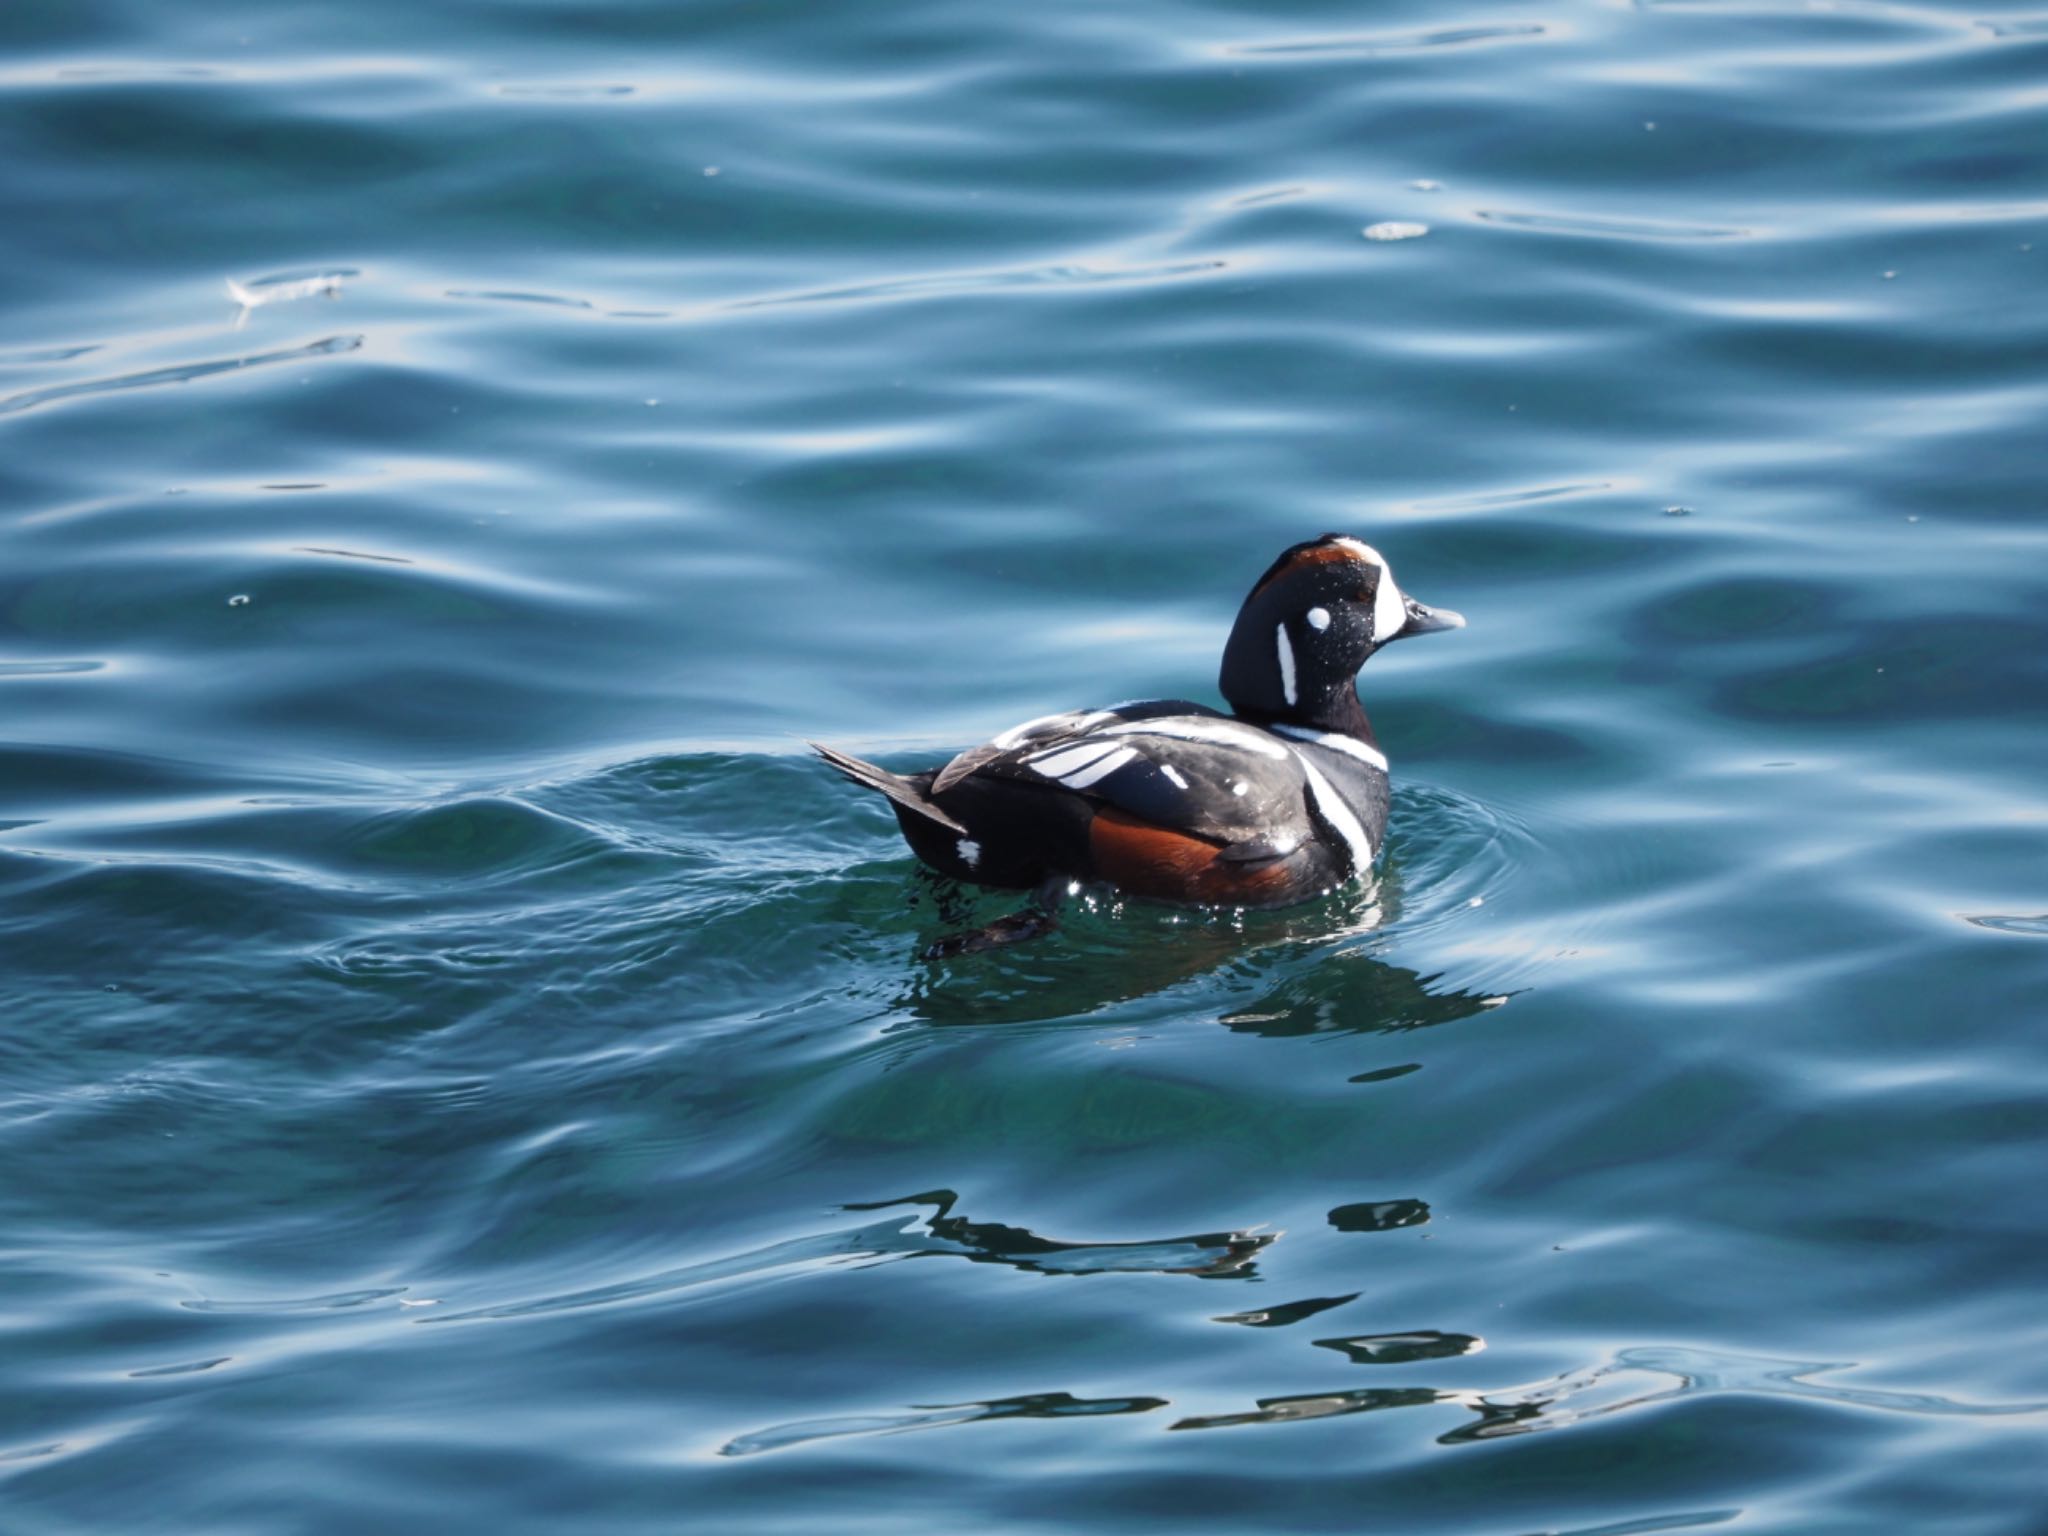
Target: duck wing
[(1181, 769), (1050, 730)]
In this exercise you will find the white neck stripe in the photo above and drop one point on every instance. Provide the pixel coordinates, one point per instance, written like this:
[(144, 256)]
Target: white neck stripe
[(1286, 664)]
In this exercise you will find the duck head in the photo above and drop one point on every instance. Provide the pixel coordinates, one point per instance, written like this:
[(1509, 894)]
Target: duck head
[(1314, 618)]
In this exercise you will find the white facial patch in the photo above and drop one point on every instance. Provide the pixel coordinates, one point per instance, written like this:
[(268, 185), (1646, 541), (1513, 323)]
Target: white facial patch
[(1286, 648), (1319, 618), (970, 852), (1389, 609), (1363, 550)]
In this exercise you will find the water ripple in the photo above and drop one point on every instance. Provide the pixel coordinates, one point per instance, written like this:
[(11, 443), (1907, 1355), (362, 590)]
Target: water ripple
[(48, 668), (1210, 1254), (179, 373), (985, 282), (338, 1301), (1038, 1405), (2035, 926), (512, 296), (1397, 42), (183, 1368), (1580, 1396), (1607, 228)]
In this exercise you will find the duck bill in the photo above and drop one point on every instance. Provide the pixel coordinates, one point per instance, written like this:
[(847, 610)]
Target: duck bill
[(1425, 620)]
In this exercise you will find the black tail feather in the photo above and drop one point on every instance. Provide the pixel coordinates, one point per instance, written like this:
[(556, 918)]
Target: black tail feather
[(899, 789)]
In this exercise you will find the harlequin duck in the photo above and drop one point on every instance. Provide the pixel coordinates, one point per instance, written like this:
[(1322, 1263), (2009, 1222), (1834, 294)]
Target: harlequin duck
[(1276, 802)]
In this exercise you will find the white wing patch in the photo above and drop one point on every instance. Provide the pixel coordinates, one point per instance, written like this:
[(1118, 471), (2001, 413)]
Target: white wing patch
[(1078, 767), (1101, 768), (1065, 760), (1173, 775), (1017, 735), (1286, 647)]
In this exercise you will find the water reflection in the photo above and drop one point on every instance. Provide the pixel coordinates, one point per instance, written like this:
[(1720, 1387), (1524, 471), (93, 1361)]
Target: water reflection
[(1036, 1405), (1619, 1384), (1380, 1215), (1633, 1378), (1403, 1348), (1324, 985), (1318, 1405), (1210, 1254), (1286, 1312)]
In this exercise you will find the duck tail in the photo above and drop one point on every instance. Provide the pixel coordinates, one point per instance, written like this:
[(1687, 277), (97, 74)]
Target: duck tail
[(904, 792)]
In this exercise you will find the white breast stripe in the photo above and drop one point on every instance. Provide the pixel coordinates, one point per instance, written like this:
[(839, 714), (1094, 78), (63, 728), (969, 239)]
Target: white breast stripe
[(1286, 663), (1336, 741), (1331, 807), (1100, 769), (1218, 733), (1065, 760)]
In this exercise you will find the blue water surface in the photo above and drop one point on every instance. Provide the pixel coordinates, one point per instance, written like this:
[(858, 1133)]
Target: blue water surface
[(463, 1067)]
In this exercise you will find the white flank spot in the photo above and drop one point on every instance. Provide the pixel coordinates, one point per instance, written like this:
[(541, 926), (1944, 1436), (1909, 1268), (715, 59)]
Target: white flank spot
[(1286, 664), (1331, 807), (1319, 618), (1217, 733), (970, 853), (1065, 760), (1173, 773), (1239, 787), (1395, 229), (1101, 769), (1350, 746)]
